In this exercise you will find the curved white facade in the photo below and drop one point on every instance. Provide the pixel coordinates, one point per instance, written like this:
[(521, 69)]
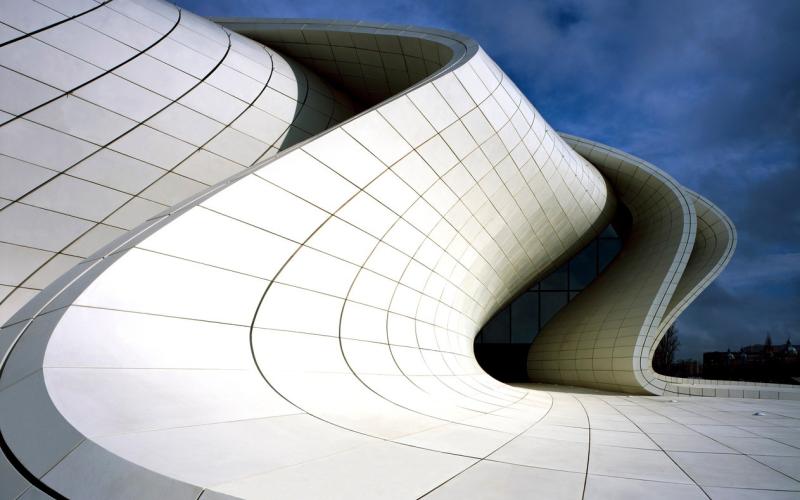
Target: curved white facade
[(299, 322), (120, 111)]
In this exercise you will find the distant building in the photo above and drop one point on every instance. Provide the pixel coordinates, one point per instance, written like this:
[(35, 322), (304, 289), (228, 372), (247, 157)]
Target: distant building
[(756, 363), (688, 368)]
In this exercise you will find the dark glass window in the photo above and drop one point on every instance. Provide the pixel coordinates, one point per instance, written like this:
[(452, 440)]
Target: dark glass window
[(498, 329), (552, 302), (501, 346), (583, 267), (525, 318), (609, 232), (557, 280), (608, 250)]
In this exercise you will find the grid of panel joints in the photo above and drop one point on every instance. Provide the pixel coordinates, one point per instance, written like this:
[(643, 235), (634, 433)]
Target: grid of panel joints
[(338, 141), (307, 176), (217, 98), (641, 448), (713, 248), (667, 200), (177, 223), (599, 350), (526, 315), (372, 66), (183, 219), (443, 101), (751, 453)]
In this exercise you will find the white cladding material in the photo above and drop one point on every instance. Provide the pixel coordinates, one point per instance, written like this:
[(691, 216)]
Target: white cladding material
[(301, 325)]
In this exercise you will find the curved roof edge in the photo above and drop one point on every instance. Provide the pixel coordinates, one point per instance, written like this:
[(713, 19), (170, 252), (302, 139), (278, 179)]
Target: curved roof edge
[(696, 242), (599, 338), (49, 446), (328, 48)]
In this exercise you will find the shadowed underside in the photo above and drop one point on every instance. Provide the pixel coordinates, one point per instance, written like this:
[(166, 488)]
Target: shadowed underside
[(301, 324)]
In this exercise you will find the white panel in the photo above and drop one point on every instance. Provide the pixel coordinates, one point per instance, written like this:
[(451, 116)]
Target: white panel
[(18, 177), (52, 270), (367, 214), (152, 146), (117, 171), (214, 103), (202, 288), (93, 240), (407, 120), (363, 322), (372, 289), (393, 192), (304, 176), (47, 64), (330, 236), (17, 263), (387, 261), (459, 140), (27, 15), (235, 83), (263, 126), (207, 167), (185, 124), (347, 157), (307, 266), (21, 93), (157, 76), (415, 172), (438, 155), (42, 146), (38, 228), (255, 201), (237, 146), (134, 212), (454, 93), (384, 141), (87, 44), (122, 28), (183, 58), (279, 337), (203, 236), (76, 197), (433, 106), (122, 96), (172, 188), (285, 308)]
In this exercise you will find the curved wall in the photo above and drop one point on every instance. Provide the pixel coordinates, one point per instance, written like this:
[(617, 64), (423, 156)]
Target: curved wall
[(605, 338), (112, 113), (304, 327), (605, 335), (245, 319)]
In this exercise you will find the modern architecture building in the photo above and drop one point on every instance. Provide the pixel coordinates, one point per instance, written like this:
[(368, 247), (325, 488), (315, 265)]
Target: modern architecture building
[(249, 259)]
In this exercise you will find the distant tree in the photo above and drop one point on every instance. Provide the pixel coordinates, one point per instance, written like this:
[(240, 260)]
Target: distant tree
[(768, 343), (665, 352)]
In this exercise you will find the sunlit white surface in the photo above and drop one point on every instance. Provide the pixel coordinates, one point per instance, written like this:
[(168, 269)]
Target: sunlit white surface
[(304, 327)]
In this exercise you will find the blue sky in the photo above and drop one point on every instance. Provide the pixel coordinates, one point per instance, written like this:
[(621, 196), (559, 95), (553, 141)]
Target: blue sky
[(707, 90)]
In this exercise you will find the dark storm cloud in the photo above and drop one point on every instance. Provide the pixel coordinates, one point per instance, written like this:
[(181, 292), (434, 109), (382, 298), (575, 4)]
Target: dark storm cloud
[(770, 213), (722, 319), (708, 91)]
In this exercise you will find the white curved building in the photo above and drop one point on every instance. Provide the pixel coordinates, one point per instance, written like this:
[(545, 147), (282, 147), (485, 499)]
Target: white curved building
[(249, 260)]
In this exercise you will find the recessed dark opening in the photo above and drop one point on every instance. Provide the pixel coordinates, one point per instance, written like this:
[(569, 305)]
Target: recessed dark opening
[(501, 347)]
